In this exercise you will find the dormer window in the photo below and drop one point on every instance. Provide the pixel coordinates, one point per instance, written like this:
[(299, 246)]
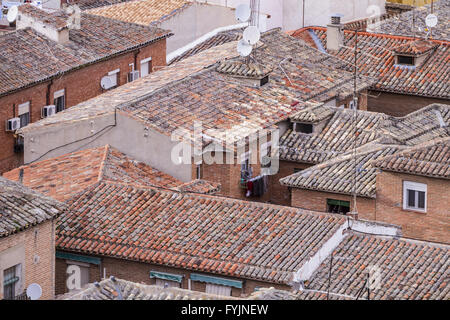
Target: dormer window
[(405, 60), (303, 127)]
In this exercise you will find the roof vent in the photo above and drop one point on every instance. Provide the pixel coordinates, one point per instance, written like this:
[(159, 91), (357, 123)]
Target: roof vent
[(336, 19), (248, 73)]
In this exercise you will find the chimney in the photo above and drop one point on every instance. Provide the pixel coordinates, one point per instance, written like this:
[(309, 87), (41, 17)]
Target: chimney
[(335, 33), (53, 26)]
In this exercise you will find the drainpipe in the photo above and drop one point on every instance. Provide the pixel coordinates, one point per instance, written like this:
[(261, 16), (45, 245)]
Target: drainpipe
[(48, 92)]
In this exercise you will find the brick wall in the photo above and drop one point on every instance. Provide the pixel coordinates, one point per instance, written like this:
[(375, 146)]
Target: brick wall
[(398, 105), (317, 201), (41, 244), (434, 225), (80, 85), (140, 272)]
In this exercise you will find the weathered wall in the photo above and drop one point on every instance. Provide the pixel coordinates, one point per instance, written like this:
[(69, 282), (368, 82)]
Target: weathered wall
[(398, 105), (22, 248), (317, 201), (194, 22), (433, 225)]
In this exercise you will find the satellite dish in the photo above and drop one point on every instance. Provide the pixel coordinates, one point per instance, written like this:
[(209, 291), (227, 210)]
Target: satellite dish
[(106, 83), (431, 20), (34, 291), (243, 12), (251, 35), (244, 48), (12, 14)]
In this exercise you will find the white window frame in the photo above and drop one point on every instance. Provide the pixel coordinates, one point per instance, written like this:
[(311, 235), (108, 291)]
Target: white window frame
[(114, 77), (58, 94), (170, 284), (145, 62), (415, 186)]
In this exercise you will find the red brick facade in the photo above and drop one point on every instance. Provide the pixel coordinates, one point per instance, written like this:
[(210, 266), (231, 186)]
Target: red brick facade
[(398, 105), (140, 272), (38, 266), (432, 225), (80, 85), (317, 201)]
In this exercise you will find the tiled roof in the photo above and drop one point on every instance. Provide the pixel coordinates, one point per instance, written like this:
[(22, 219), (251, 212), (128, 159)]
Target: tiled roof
[(118, 289), (431, 159), (57, 20), (109, 289), (228, 111), (408, 269), (217, 40), (64, 176), (199, 186), (314, 112), (402, 25), (28, 57), (416, 47), (22, 208), (91, 4), (242, 69), (143, 12), (337, 175), (336, 137), (377, 60), (198, 232)]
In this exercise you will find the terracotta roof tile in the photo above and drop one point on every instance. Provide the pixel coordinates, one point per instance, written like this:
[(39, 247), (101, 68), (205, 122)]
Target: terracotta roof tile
[(22, 208), (28, 57), (408, 269), (430, 159), (181, 230), (144, 12), (377, 61)]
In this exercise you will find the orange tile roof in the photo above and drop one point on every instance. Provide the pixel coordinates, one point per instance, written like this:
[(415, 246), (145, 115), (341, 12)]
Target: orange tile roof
[(377, 60), (198, 232), (143, 12), (66, 175)]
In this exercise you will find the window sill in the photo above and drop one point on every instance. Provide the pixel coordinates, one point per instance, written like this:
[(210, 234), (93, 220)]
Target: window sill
[(414, 210)]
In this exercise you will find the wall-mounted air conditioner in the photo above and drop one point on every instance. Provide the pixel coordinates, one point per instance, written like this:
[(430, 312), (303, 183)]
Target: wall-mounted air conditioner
[(48, 111), (133, 75), (13, 124)]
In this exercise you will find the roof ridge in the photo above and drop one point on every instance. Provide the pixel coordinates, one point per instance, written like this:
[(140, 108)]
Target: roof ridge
[(102, 169)]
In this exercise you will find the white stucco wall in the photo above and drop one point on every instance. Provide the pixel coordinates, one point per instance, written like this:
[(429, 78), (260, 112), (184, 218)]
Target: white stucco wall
[(288, 14), (128, 136), (194, 22)]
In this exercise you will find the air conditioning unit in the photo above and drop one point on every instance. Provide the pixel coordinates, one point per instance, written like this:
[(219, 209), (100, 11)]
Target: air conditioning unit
[(133, 75), (48, 111), (13, 124)]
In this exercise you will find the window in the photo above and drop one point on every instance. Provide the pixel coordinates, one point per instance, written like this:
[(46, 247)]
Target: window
[(218, 289), (113, 76), (84, 271), (303, 127), (338, 206), (10, 282), (167, 283), (146, 66), (406, 60), (59, 100), (24, 114), (414, 196)]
